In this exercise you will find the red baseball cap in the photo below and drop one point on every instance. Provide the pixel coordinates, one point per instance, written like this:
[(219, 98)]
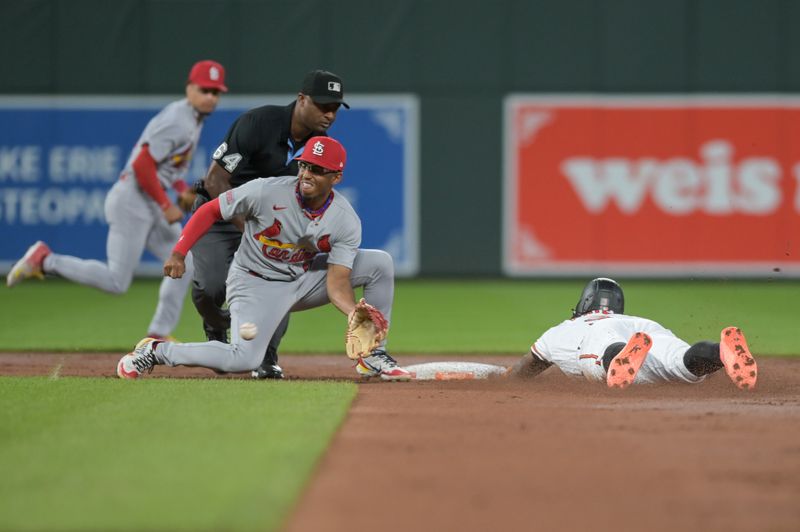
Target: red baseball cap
[(208, 75), (325, 152)]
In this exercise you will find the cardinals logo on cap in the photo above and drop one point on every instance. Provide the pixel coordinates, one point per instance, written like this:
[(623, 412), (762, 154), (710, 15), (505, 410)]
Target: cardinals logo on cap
[(213, 73), (325, 152)]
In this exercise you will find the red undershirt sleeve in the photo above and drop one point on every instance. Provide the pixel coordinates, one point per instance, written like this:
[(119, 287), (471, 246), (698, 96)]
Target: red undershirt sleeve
[(197, 226), (144, 169)]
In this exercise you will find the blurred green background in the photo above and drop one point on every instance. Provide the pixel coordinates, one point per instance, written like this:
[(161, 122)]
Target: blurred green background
[(430, 315)]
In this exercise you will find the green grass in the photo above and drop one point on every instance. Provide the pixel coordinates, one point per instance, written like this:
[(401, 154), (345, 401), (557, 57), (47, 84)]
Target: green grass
[(159, 454), (481, 316), (219, 454)]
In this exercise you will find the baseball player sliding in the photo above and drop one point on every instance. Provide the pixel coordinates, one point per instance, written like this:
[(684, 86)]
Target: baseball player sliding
[(138, 211), (299, 250), (600, 343)]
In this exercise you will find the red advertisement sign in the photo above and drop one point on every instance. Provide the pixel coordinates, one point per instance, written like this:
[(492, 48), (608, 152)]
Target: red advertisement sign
[(652, 186)]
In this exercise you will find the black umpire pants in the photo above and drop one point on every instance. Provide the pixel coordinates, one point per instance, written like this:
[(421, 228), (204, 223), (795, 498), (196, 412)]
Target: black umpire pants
[(212, 255)]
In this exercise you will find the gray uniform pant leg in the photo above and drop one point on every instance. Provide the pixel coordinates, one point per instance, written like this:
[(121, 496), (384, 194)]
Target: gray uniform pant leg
[(172, 292), (373, 269), (246, 297), (213, 254), (129, 223), (134, 223)]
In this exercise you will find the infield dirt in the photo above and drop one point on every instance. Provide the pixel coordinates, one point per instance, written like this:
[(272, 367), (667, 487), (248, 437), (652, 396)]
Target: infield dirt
[(549, 454)]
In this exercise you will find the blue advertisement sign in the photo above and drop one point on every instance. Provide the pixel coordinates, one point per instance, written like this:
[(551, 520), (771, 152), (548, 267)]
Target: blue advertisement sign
[(59, 157)]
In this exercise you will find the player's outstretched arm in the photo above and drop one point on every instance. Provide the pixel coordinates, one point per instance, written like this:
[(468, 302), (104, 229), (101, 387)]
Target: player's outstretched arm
[(340, 291), (198, 225), (528, 367)]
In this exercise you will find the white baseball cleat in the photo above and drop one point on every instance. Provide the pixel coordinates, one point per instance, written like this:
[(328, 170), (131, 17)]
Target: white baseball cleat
[(380, 363), (142, 359), (30, 265)]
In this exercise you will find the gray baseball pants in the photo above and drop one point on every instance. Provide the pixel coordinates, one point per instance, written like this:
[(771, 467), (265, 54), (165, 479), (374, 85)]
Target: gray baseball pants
[(135, 223), (266, 303), (213, 255)]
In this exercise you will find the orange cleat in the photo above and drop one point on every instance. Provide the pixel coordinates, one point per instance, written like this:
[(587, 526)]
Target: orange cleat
[(735, 355), (626, 364)]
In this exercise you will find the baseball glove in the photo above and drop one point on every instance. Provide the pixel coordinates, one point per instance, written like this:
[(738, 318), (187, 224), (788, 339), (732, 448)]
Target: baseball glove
[(366, 329)]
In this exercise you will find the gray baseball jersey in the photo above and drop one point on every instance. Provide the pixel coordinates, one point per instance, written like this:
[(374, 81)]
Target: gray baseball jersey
[(171, 137), (281, 266), (280, 238)]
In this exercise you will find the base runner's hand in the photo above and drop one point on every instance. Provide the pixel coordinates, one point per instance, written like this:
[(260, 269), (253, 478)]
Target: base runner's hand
[(173, 213), (175, 266)]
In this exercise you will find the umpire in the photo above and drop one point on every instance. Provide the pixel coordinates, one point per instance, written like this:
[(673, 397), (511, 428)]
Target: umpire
[(262, 142)]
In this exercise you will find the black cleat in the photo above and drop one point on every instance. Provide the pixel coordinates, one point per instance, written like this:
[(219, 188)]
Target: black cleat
[(269, 368), (267, 371)]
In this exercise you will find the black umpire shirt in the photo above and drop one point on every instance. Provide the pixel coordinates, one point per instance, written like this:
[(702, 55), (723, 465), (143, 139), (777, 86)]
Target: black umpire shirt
[(260, 144)]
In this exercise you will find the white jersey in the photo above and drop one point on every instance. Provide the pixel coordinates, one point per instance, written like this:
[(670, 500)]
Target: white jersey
[(577, 346), (280, 237), (171, 137)]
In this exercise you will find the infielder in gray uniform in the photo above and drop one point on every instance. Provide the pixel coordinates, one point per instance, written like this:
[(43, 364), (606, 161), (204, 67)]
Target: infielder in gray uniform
[(139, 213), (600, 343), (299, 250)]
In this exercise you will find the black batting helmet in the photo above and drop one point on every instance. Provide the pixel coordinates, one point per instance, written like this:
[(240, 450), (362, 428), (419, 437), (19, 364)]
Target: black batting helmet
[(600, 294)]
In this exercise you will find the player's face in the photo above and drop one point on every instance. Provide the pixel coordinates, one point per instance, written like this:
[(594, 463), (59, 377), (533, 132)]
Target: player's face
[(317, 117), (316, 183), (202, 99)]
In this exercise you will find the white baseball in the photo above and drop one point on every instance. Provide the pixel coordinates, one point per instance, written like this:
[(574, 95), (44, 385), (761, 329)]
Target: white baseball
[(248, 330)]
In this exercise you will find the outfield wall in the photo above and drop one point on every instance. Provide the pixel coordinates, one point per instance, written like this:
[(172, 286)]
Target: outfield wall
[(60, 155), (461, 60)]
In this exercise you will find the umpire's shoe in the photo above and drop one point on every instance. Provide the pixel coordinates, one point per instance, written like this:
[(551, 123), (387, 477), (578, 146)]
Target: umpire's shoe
[(269, 368), (380, 363)]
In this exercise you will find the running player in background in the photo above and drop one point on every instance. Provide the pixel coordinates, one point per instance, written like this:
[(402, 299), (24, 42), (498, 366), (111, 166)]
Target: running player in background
[(600, 343), (139, 212), (299, 250)]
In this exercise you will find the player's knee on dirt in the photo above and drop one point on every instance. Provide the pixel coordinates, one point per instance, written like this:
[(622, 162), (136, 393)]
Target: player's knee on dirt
[(702, 358), (611, 351)]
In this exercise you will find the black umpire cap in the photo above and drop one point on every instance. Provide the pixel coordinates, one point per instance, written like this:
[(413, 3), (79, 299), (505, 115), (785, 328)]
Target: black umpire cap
[(324, 87)]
